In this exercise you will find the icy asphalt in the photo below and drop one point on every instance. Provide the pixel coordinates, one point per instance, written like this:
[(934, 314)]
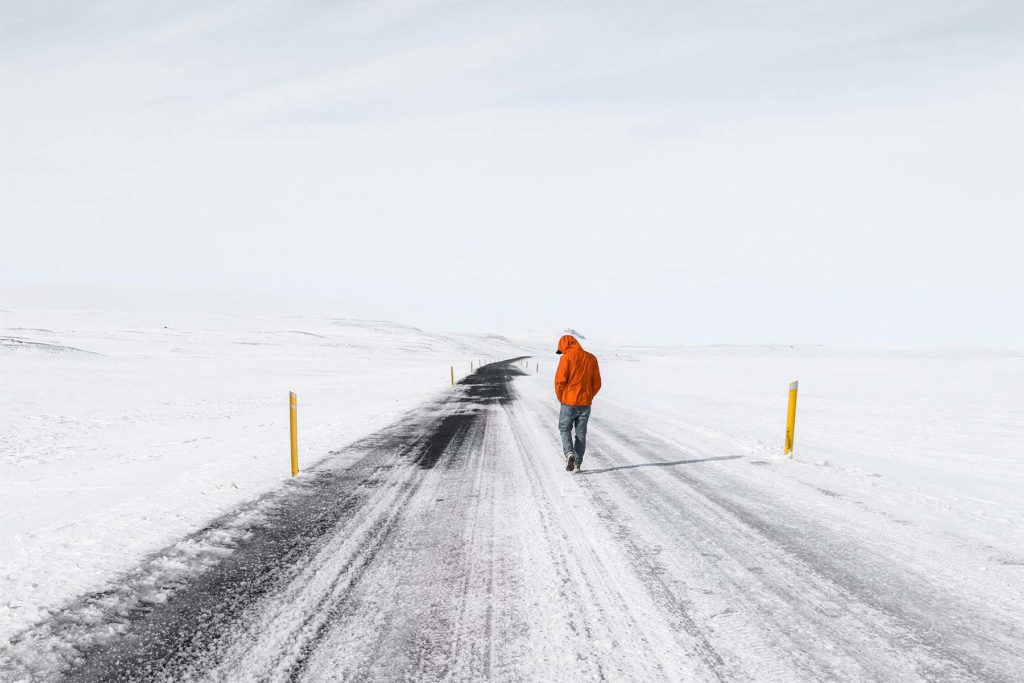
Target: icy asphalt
[(453, 545)]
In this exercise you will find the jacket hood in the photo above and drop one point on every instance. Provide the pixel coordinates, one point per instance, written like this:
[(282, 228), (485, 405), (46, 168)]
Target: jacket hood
[(567, 342)]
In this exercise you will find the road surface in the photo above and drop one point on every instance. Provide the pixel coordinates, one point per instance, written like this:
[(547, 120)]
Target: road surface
[(453, 545)]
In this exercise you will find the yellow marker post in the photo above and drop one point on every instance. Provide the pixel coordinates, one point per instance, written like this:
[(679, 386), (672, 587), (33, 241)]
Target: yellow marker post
[(791, 418), (453, 375), (293, 419)]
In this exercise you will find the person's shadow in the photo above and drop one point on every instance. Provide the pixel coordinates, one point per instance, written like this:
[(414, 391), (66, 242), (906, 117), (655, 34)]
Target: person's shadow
[(661, 464)]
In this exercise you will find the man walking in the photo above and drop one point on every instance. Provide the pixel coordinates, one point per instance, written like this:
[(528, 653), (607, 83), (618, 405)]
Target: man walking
[(577, 381)]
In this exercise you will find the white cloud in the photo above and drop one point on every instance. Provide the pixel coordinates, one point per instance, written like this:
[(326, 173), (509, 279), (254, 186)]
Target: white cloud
[(771, 171)]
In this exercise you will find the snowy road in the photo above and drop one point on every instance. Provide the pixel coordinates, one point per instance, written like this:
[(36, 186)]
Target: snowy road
[(454, 545)]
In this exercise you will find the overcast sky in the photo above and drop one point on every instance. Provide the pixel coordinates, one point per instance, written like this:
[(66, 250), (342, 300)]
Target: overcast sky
[(845, 172)]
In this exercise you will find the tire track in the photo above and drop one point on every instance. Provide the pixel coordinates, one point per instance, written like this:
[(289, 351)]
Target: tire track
[(344, 606), (898, 617), (637, 515), (796, 577), (594, 587), (178, 616)]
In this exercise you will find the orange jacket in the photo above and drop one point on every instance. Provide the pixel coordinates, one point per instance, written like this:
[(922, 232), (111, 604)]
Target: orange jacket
[(578, 379)]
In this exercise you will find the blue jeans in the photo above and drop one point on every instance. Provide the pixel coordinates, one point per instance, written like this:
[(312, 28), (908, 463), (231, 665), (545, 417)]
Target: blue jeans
[(570, 417)]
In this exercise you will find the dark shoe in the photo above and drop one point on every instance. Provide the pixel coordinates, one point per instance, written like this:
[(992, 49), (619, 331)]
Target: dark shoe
[(570, 461), (577, 470)]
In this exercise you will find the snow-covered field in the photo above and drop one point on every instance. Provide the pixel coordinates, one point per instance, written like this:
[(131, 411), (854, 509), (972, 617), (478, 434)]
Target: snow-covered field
[(121, 434), (932, 437)]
